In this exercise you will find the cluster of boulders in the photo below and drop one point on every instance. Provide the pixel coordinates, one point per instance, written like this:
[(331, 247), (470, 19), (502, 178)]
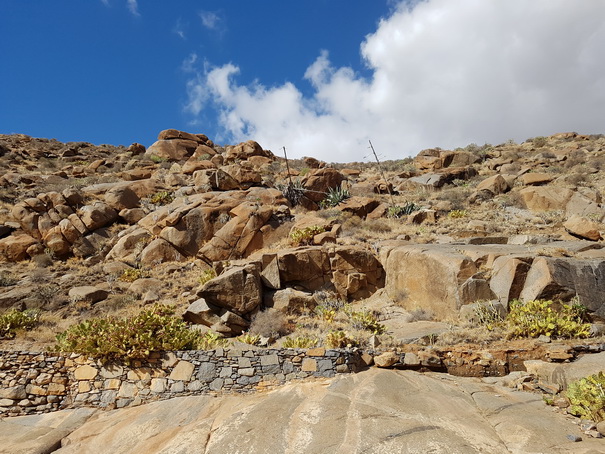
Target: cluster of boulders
[(285, 281)]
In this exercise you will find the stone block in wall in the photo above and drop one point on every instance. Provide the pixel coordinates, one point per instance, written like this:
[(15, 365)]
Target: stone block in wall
[(269, 360), (158, 385), (317, 351), (13, 392), (85, 372), (206, 372), (111, 371), (216, 384), (182, 371), (309, 365)]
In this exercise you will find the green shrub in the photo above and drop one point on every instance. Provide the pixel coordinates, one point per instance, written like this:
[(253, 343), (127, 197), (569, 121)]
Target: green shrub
[(457, 214), (247, 338), (334, 197), (339, 339), (7, 279), (587, 397), (132, 274), (294, 192), (153, 329), (161, 198), (366, 320), (207, 275), (397, 211), (211, 340), (536, 318), (15, 320), (305, 236), (300, 342)]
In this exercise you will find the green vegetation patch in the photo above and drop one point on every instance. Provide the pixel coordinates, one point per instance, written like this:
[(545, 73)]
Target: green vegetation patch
[(15, 320), (587, 397), (153, 329)]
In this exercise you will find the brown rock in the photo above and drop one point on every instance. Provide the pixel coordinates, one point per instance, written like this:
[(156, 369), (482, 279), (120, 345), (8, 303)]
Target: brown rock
[(97, 215), (201, 313), (535, 178), (171, 134), (14, 247), (545, 198), (319, 181), (238, 289), (160, 251), (121, 197), (583, 228), (173, 149), (87, 294), (217, 179), (495, 184), (290, 301), (508, 277), (386, 359)]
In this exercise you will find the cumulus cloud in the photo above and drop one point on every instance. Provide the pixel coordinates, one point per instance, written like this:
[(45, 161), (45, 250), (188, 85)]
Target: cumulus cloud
[(443, 74)]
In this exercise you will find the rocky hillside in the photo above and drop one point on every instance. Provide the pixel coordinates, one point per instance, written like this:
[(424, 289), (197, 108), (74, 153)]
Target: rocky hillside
[(224, 233)]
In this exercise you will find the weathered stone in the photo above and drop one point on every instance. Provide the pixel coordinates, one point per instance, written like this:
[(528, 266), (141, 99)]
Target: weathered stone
[(289, 301), (97, 215), (563, 278), (14, 247), (85, 372), (206, 372), (182, 371), (545, 198), (238, 289), (309, 365), (199, 312), (13, 392), (583, 228), (319, 181), (495, 184), (121, 197), (173, 149), (87, 294), (386, 359), (508, 277)]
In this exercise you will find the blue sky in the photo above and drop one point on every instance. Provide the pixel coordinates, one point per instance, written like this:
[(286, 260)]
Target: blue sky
[(320, 77)]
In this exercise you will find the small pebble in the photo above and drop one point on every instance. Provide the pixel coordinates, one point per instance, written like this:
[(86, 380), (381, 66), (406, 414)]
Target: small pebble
[(574, 438)]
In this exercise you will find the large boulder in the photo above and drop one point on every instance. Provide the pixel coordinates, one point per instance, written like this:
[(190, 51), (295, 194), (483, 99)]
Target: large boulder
[(545, 198), (564, 278), (319, 181), (429, 277), (583, 228), (238, 289), (173, 149), (14, 247)]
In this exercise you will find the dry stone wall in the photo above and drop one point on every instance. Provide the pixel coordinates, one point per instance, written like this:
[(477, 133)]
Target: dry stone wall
[(33, 383)]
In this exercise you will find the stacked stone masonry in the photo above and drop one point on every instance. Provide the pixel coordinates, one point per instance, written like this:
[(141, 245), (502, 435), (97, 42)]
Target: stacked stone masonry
[(32, 383)]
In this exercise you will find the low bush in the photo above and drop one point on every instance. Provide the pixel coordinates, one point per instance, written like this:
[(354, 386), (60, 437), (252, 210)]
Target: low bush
[(247, 338), (397, 211), (269, 323), (366, 320), (207, 275), (538, 317), (161, 198), (300, 342), (587, 397), (334, 197), (15, 320), (132, 274), (339, 339), (153, 329), (304, 236)]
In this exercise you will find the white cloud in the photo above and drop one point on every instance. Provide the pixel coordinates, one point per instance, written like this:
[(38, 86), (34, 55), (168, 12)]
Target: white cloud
[(133, 7), (210, 20), (443, 74), (179, 29)]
